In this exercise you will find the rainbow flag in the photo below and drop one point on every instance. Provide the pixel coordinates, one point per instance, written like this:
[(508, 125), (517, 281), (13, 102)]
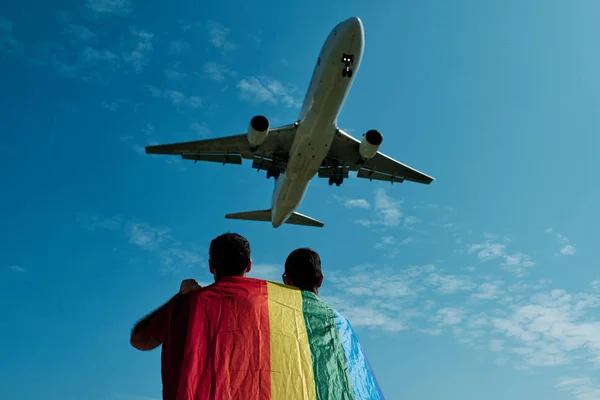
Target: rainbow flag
[(251, 339)]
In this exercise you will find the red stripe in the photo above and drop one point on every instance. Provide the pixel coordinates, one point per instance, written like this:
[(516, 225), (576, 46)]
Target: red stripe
[(227, 353)]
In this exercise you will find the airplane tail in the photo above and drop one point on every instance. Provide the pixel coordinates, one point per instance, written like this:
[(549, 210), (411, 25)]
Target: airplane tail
[(265, 216)]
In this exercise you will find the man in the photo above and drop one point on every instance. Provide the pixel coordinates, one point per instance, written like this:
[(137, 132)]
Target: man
[(303, 270), (230, 256), (250, 339)]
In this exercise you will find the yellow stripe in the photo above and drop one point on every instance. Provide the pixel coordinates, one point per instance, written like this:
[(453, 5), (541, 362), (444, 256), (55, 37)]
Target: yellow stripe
[(292, 375)]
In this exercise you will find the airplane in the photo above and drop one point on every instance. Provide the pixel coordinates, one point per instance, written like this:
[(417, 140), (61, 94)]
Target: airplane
[(313, 145)]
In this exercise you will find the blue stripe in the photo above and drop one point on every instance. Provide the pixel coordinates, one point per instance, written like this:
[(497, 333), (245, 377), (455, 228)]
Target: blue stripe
[(364, 383)]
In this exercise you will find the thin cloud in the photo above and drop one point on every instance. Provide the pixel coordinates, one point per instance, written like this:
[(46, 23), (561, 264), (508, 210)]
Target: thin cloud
[(216, 72), (16, 268), (109, 7), (173, 256), (566, 249), (139, 57), (353, 203), (78, 34), (200, 129), (270, 272), (491, 250), (8, 43), (583, 388), (387, 211), (175, 97), (265, 90), (218, 36)]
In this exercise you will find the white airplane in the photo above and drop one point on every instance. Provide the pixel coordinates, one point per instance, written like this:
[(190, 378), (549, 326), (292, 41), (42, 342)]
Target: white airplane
[(294, 154)]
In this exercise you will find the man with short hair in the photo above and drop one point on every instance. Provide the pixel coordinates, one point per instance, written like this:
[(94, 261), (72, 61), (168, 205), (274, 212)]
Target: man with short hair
[(230, 258), (303, 270)]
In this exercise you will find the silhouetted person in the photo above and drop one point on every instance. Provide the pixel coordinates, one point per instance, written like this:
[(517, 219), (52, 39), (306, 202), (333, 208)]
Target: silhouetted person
[(303, 270), (229, 258)]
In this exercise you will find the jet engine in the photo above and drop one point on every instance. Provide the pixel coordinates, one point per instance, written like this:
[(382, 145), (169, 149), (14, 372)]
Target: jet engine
[(258, 131), (369, 144)]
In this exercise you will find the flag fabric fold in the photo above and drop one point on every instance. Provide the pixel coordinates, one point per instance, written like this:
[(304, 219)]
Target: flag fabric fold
[(251, 339)]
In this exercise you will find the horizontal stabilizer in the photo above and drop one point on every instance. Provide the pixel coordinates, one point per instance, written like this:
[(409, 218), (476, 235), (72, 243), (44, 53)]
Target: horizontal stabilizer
[(260, 215), (265, 216), (299, 219)]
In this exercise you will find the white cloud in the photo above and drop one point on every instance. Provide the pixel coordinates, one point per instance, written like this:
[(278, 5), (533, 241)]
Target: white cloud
[(116, 7), (411, 220), (448, 284), (216, 72), (270, 272), (200, 129), (16, 268), (568, 250), (8, 43), (139, 56), (387, 211), (583, 388), (266, 90), (489, 250), (171, 253), (488, 291), (352, 203), (175, 97), (449, 316), (218, 36)]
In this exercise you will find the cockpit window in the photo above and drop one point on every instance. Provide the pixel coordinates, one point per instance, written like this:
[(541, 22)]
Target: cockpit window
[(318, 61)]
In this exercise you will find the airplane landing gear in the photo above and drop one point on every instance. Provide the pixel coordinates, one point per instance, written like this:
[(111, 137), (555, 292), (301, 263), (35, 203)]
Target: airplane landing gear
[(338, 180), (348, 60), (273, 173)]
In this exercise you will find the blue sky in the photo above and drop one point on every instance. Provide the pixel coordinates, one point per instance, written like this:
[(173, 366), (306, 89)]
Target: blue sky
[(482, 285)]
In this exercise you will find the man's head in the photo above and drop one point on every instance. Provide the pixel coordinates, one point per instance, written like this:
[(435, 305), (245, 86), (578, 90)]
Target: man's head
[(229, 256), (303, 270)]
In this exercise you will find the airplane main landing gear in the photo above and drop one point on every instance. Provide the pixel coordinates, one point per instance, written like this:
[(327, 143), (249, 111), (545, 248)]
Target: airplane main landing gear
[(348, 60), (273, 173), (338, 180)]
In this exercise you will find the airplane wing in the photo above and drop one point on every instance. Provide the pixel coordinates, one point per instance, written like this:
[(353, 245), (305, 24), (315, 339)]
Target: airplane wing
[(232, 149), (344, 152)]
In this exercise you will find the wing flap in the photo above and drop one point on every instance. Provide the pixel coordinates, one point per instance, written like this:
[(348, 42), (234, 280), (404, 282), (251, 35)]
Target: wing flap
[(345, 151), (367, 174), (220, 158)]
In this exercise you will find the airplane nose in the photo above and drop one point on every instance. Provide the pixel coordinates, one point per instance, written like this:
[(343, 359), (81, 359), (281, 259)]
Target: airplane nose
[(354, 24)]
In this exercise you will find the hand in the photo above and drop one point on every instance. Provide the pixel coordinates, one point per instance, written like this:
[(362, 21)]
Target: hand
[(188, 285)]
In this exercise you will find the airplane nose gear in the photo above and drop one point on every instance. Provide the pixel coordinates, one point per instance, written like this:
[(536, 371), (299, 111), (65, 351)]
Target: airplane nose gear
[(348, 60)]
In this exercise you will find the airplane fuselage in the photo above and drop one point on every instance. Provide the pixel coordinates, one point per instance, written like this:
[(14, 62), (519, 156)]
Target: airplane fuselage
[(317, 122)]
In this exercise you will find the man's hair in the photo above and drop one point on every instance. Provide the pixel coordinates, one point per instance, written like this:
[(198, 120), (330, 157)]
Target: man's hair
[(303, 267), (229, 255)]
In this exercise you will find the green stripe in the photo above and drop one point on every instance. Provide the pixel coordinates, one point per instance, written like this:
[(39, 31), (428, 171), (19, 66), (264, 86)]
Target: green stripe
[(332, 378)]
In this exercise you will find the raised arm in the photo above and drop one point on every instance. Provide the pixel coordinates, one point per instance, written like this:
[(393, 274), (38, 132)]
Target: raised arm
[(149, 333)]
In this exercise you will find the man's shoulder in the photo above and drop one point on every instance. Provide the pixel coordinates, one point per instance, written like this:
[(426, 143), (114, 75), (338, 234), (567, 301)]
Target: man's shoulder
[(232, 286)]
